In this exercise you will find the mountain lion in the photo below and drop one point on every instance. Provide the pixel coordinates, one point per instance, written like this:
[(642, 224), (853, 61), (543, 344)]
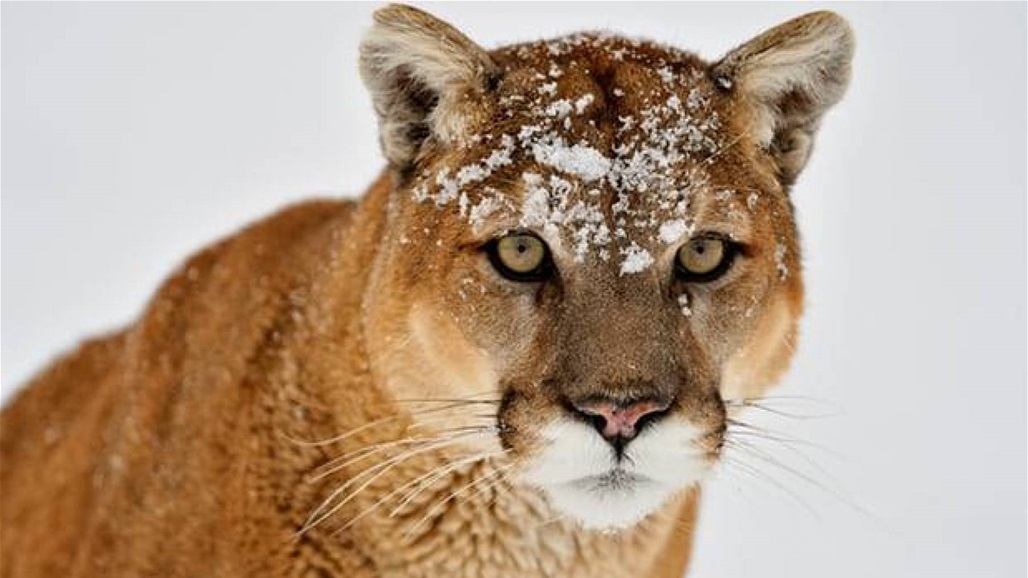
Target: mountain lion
[(515, 355)]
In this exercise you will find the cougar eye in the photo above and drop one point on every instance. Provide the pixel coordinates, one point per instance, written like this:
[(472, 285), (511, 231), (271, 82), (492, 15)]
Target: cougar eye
[(703, 259), (521, 257)]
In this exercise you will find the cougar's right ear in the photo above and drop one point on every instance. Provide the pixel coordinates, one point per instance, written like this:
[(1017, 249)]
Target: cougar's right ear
[(422, 73)]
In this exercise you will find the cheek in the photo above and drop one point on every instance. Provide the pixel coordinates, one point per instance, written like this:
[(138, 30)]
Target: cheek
[(719, 325), (501, 324), (445, 361), (764, 355)]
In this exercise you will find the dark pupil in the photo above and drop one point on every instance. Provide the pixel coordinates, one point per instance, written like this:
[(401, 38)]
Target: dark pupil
[(699, 249), (522, 247)]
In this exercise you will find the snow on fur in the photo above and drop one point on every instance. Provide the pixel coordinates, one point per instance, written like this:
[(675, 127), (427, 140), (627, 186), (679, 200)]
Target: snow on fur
[(564, 182)]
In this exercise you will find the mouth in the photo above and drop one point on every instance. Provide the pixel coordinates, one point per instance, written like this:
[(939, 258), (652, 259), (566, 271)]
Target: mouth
[(616, 480), (613, 500), (587, 480)]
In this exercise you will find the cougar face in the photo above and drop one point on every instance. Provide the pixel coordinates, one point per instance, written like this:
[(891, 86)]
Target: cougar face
[(593, 237)]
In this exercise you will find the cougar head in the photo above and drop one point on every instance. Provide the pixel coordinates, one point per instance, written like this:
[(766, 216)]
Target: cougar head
[(596, 234)]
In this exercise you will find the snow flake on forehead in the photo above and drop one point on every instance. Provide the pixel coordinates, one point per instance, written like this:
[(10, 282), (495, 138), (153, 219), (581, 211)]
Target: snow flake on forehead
[(549, 206), (603, 188), (672, 231), (579, 160), (636, 260)]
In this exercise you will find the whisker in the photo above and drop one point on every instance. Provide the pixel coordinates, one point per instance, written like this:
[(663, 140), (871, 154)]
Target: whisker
[(485, 487), (445, 418), (435, 509), (806, 459), (812, 481), (447, 468), (547, 522), (377, 471), (471, 397), (764, 434), (787, 397), (350, 458), (780, 412), (721, 150), (453, 400), (364, 452), (448, 433), (411, 495), (757, 473), (369, 425)]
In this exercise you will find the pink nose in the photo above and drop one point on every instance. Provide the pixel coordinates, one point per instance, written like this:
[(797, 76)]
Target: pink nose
[(614, 419)]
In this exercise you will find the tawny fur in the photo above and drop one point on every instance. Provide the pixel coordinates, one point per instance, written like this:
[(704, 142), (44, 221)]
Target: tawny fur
[(186, 443)]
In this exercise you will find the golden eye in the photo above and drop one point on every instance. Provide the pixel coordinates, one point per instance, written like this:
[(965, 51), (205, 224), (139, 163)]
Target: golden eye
[(521, 257), (703, 259)]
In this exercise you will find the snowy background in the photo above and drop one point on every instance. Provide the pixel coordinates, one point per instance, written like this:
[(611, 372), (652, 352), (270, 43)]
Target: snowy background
[(134, 134)]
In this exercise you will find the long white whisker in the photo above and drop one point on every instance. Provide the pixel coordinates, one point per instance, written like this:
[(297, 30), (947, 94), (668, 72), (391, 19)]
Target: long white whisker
[(810, 480), (423, 423), (736, 427), (377, 471), (757, 473), (350, 458), (435, 472), (373, 423), (757, 449), (415, 492), (435, 509)]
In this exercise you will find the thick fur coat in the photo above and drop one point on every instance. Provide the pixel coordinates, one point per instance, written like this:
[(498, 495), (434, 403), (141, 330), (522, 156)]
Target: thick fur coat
[(350, 389)]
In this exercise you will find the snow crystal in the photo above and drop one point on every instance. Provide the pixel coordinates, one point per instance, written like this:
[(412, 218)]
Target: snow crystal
[(535, 210), (683, 303), (548, 205), (580, 160), (482, 210), (783, 269), (559, 108), (695, 99), (582, 103), (672, 231), (636, 260), (502, 156), (643, 170), (751, 201), (470, 174)]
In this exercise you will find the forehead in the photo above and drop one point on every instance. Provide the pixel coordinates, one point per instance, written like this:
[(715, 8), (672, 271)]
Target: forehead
[(605, 146)]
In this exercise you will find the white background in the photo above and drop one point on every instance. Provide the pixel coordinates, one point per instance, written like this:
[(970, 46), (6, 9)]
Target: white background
[(134, 134)]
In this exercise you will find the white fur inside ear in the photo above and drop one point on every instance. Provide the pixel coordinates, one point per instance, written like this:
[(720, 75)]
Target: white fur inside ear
[(417, 68), (791, 75)]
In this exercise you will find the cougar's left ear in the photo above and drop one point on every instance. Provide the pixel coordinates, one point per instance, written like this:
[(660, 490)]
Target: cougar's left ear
[(787, 78), (422, 73)]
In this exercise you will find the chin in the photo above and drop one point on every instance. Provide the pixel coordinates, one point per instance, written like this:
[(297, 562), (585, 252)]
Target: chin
[(586, 481), (615, 501)]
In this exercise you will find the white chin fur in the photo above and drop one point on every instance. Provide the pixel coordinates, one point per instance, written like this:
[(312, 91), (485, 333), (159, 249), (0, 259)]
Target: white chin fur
[(579, 472), (599, 506)]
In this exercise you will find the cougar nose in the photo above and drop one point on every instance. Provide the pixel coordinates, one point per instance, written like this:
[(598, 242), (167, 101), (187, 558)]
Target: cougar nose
[(620, 420)]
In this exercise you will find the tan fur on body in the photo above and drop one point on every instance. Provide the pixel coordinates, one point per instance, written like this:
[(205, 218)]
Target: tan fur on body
[(209, 438)]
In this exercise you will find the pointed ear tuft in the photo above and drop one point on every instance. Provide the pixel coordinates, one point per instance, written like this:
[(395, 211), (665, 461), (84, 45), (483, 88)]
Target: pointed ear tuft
[(419, 71), (789, 77)]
